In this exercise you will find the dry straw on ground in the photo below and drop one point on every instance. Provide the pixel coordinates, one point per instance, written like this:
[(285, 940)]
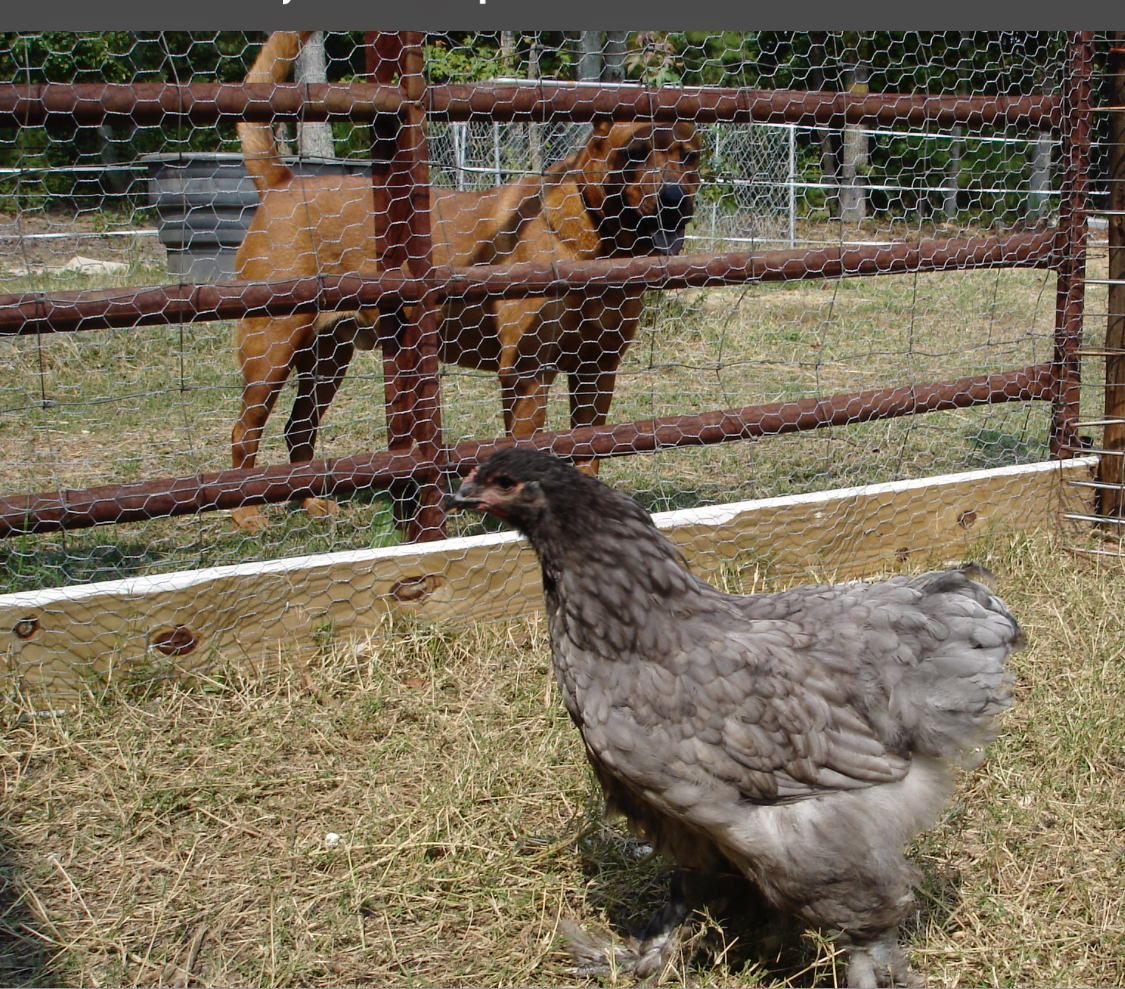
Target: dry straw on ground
[(416, 810)]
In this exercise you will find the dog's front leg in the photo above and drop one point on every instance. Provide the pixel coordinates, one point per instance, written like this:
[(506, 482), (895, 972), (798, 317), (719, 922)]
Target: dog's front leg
[(524, 398), (592, 355), (528, 330), (590, 398)]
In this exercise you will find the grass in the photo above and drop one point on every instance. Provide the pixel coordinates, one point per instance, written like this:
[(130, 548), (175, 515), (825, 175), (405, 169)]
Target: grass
[(109, 553), (414, 809)]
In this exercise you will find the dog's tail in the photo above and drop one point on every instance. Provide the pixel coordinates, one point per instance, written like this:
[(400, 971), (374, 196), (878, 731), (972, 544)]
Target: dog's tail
[(259, 146)]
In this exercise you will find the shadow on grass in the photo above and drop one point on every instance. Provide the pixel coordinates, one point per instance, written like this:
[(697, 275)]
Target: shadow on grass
[(25, 958), (628, 884), (939, 897), (996, 448)]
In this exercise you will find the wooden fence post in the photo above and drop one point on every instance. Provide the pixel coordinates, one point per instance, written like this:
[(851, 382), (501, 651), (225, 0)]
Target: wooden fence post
[(1070, 244), (1111, 468)]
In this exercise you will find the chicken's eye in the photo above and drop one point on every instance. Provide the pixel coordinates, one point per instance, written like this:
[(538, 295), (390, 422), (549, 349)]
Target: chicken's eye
[(504, 483)]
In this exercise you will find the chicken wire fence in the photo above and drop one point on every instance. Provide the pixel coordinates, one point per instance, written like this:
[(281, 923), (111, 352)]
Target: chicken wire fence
[(739, 235)]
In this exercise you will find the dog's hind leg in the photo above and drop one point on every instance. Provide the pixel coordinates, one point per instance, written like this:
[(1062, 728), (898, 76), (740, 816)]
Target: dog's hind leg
[(320, 370), (265, 350)]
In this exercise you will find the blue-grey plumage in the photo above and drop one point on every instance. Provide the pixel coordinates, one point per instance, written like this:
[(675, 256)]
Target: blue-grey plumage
[(798, 739)]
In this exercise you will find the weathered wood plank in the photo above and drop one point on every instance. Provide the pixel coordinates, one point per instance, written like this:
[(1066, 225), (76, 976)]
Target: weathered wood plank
[(57, 643)]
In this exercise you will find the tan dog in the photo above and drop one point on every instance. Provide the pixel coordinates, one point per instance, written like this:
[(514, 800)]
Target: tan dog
[(628, 193)]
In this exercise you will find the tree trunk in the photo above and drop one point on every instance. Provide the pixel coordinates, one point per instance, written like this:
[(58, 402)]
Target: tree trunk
[(534, 130), (853, 155), (614, 57), (952, 176), (1037, 200), (590, 57), (508, 52), (314, 139)]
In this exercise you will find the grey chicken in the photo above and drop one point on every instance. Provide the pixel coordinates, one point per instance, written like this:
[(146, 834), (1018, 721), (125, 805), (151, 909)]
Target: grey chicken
[(797, 740)]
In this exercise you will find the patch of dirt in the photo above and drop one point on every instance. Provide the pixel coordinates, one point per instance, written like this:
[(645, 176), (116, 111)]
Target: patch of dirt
[(36, 238)]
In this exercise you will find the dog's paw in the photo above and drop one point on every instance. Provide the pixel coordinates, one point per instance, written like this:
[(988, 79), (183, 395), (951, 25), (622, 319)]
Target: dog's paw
[(320, 508), (249, 518)]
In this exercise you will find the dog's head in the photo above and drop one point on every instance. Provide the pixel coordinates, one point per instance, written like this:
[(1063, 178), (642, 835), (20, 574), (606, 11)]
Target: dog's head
[(640, 180)]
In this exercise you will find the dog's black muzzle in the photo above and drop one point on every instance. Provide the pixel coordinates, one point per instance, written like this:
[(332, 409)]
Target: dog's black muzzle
[(666, 228)]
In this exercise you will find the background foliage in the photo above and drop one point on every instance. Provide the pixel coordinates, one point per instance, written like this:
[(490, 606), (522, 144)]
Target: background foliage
[(1009, 62)]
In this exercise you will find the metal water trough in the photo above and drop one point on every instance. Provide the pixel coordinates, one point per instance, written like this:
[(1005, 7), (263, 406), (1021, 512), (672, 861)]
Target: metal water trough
[(205, 202)]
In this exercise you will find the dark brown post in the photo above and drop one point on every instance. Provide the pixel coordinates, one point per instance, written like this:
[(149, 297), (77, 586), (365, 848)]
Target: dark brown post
[(400, 175), (1071, 243), (1111, 468)]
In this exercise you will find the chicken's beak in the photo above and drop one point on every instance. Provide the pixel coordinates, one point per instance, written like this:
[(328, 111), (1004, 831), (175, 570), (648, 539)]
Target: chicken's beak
[(468, 496)]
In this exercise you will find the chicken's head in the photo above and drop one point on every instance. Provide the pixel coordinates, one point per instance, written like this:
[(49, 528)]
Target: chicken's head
[(513, 484)]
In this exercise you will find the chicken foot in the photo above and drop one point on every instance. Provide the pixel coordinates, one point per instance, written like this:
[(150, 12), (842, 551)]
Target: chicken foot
[(648, 952), (878, 962)]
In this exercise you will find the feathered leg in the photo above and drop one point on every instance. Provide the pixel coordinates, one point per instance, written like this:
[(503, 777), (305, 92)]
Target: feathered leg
[(648, 952), (879, 962), (638, 956)]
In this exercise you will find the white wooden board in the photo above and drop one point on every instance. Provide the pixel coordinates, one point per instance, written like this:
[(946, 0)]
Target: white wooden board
[(58, 643)]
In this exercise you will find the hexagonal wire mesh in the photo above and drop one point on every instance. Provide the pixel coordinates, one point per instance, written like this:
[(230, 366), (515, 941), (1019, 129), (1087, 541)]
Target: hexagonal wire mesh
[(788, 222)]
